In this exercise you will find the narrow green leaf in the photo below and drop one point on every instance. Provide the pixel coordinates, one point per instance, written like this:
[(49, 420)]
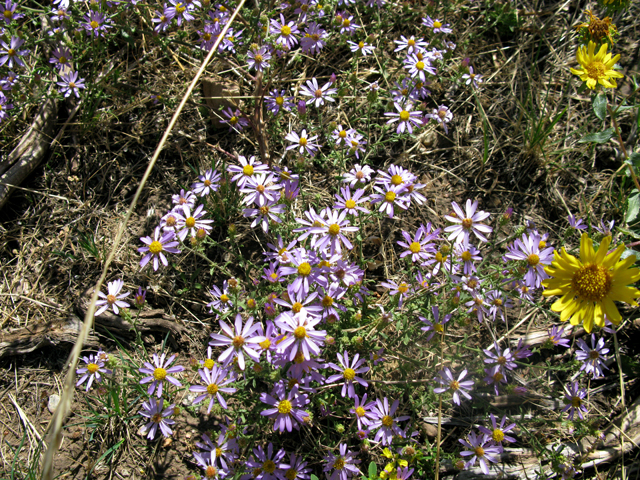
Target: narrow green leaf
[(629, 253), (599, 137), (633, 208), (600, 106)]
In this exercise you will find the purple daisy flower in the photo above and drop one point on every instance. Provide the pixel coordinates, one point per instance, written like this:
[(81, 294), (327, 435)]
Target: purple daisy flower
[(296, 468), (408, 117), (555, 336), (385, 421), (184, 198), (437, 326), (349, 201), (70, 84), (93, 367), (159, 372), (390, 197), (238, 341), (418, 66), (265, 466), (285, 31), (502, 359), (348, 373), (497, 433), (61, 58), (331, 234), (358, 175), (207, 460), (445, 378), (480, 449), (191, 223), (246, 170), (401, 289), (288, 412), (306, 275), (113, 298), (153, 410), (442, 115), (436, 25), (258, 58), (576, 223), (300, 336), (574, 399), (156, 247), (318, 94), (420, 246), (363, 411), (235, 120), (209, 182), (277, 100), (412, 44), (472, 78), (180, 11), (528, 249), (592, 358), (313, 40), (341, 466), (303, 142), (96, 24), (467, 222), (214, 380)]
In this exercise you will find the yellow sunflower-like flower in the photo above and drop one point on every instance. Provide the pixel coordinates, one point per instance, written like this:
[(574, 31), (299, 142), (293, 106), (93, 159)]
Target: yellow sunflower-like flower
[(588, 286), (597, 68)]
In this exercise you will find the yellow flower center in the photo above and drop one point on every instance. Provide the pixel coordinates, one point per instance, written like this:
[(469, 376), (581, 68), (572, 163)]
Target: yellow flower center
[(497, 302), (291, 474), (296, 307), (497, 435), (299, 358), (466, 256), (334, 229), (318, 93), (300, 333), (454, 385), (346, 22), (349, 374), (265, 344), (159, 374), (247, 170), (155, 247), (8, 14), (94, 24), (257, 58), (279, 101), (285, 30), (180, 8), (360, 44), (594, 354), (438, 328), (327, 301), (238, 341), (303, 142), (156, 418), (479, 451), (387, 421), (233, 120), (92, 368), (596, 70), (497, 377), (350, 203), (269, 466), (437, 24), (304, 269), (339, 463), (542, 244), (390, 196), (466, 223), (403, 287), (212, 389), (360, 412), (420, 65), (111, 299), (284, 407), (62, 59), (264, 210), (533, 260), (209, 363), (404, 116), (592, 282), (211, 471), (397, 179), (72, 84), (190, 222), (576, 402), (171, 221), (207, 183), (411, 42)]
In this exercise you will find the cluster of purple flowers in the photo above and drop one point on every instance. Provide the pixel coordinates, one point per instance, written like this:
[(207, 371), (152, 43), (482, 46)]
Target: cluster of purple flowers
[(486, 446)]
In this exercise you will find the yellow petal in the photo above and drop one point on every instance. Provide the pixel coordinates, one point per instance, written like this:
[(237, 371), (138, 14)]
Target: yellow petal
[(604, 247)]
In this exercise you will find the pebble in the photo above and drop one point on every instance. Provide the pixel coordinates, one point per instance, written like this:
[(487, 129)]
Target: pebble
[(53, 402)]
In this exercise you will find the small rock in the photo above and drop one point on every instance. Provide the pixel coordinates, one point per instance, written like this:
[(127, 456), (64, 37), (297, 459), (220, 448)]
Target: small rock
[(189, 398), (429, 430), (53, 402)]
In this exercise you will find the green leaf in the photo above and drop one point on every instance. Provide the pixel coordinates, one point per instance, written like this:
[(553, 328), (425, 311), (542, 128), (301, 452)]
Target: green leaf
[(633, 208), (634, 159), (628, 253), (599, 137), (600, 106), (313, 477), (373, 470)]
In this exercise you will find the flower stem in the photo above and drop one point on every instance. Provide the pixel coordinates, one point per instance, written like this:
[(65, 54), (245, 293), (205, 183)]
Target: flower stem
[(624, 150)]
